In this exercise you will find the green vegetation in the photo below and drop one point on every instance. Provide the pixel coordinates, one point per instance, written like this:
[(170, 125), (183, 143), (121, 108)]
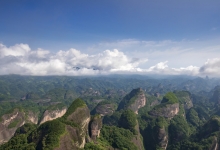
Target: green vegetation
[(58, 106), (193, 118), (192, 128), (49, 133), (128, 120), (117, 137), (129, 99), (178, 129), (76, 103), (13, 124), (170, 98)]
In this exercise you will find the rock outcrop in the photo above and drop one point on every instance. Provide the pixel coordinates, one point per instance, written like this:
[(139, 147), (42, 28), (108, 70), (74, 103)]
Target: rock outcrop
[(104, 108), (95, 127), (79, 115), (52, 114), (134, 100), (162, 138), (167, 111), (184, 98), (168, 108), (11, 121)]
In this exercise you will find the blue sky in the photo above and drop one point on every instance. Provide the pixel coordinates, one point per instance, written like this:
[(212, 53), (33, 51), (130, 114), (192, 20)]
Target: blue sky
[(142, 30)]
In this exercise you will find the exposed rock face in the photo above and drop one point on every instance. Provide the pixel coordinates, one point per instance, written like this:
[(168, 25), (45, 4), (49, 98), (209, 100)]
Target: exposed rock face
[(167, 110), (134, 100), (10, 123), (185, 99), (188, 104), (32, 117), (51, 115), (137, 140), (140, 102), (95, 127), (162, 138), (75, 138), (105, 109), (215, 145)]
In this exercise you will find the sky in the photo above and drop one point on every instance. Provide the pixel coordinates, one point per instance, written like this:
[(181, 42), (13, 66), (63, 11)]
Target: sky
[(81, 37)]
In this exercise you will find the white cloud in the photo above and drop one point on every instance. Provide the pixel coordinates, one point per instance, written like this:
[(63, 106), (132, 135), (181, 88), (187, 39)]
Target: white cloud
[(211, 66), (20, 59), (16, 50)]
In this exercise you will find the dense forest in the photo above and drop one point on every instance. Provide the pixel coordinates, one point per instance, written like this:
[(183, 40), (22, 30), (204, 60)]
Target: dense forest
[(109, 112)]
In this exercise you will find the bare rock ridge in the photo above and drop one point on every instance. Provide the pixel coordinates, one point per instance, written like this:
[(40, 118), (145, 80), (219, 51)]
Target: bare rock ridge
[(162, 138), (168, 108), (10, 122), (75, 137), (167, 111), (52, 114), (104, 108), (95, 127), (134, 100)]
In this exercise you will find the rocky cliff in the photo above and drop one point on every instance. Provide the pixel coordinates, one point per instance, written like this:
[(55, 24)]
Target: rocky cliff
[(184, 98), (95, 126), (52, 114), (104, 108), (134, 100), (13, 120), (168, 108), (167, 111), (77, 120), (161, 136)]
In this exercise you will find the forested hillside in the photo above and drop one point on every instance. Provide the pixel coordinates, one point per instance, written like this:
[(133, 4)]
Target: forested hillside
[(109, 112)]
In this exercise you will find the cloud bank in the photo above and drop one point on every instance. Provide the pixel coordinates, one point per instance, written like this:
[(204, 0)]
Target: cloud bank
[(21, 59)]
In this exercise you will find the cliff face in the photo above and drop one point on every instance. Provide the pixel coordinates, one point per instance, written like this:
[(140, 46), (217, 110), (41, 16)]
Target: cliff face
[(167, 110), (75, 137), (134, 100), (10, 122), (52, 114), (162, 138), (105, 109), (95, 127), (139, 102), (184, 98)]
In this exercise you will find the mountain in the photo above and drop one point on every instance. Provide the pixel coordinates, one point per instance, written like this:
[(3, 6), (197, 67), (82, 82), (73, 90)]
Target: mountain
[(134, 100), (110, 113)]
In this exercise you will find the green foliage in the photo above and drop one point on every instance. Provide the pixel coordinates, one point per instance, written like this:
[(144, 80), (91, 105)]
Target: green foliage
[(129, 98), (113, 119), (178, 129), (149, 129), (128, 120), (49, 133), (58, 106), (170, 98), (13, 124), (192, 145), (117, 137), (75, 104), (26, 129), (193, 118), (19, 141), (93, 146)]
